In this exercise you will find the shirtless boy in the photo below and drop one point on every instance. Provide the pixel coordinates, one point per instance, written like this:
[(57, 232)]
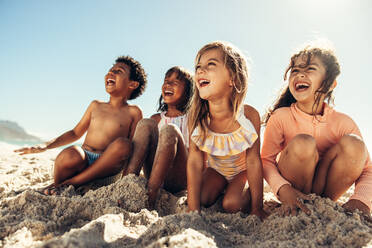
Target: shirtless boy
[(109, 125)]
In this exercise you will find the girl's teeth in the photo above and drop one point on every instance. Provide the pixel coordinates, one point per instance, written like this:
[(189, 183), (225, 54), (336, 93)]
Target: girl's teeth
[(301, 86), (203, 82)]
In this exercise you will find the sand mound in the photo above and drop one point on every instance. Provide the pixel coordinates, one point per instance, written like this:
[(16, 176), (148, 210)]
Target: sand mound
[(31, 219)]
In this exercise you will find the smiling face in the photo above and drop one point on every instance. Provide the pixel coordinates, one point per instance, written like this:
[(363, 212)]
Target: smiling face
[(212, 78), (173, 90), (305, 80), (117, 81)]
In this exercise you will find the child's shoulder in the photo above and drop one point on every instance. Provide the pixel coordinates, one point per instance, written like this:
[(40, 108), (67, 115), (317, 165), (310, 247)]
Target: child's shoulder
[(95, 103), (134, 109), (251, 114), (337, 116), (249, 110), (282, 111)]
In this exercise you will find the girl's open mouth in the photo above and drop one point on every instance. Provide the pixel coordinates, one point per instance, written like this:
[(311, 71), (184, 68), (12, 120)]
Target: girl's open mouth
[(203, 82), (301, 86), (168, 93)]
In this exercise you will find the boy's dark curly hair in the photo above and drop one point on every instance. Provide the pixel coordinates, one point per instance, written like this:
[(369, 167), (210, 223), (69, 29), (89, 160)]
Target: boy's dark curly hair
[(137, 73), (187, 78)]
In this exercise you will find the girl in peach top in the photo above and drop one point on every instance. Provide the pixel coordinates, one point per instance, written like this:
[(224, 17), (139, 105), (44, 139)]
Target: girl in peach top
[(224, 131), (308, 146)]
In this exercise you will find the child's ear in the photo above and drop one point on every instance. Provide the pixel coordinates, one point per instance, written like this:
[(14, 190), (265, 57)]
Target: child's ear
[(133, 85)]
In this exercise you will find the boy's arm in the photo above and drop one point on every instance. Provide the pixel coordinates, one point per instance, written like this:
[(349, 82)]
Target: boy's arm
[(254, 166), (194, 177), (136, 114), (67, 137)]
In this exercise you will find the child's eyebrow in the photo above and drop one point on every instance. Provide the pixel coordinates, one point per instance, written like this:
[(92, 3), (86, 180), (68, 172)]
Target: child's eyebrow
[(175, 80), (213, 59), (303, 65), (122, 67), (316, 64)]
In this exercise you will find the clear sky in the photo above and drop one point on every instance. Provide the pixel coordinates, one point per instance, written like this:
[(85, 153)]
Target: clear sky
[(54, 54)]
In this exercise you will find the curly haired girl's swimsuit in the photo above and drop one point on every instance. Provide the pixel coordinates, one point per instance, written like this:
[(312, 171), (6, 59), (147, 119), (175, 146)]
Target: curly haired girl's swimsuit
[(226, 153)]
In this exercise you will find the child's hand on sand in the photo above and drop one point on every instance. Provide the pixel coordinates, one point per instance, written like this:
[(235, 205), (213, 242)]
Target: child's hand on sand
[(32, 149), (354, 204), (292, 200)]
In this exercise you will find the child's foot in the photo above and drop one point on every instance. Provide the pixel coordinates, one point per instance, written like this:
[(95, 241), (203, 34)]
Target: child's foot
[(42, 190), (53, 189), (83, 189)]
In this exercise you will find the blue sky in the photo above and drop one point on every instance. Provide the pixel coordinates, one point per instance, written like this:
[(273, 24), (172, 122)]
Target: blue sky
[(54, 54)]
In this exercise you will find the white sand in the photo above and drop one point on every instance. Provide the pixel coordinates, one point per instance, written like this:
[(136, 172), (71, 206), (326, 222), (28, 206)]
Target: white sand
[(30, 219)]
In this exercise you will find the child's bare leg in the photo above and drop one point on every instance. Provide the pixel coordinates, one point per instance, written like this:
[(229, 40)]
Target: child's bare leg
[(108, 164), (212, 186), (237, 195), (145, 142), (347, 159), (169, 166), (68, 163), (298, 161)]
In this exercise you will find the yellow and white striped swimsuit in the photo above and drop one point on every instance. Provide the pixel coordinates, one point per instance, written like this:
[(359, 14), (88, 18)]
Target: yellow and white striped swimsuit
[(226, 153)]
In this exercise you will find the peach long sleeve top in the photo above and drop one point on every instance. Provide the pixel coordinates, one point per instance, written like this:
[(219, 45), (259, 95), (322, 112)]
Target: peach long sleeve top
[(287, 122)]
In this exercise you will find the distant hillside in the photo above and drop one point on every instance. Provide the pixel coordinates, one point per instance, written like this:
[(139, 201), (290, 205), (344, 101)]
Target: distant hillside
[(11, 131)]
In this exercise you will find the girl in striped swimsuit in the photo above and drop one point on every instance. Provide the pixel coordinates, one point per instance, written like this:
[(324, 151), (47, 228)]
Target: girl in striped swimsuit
[(224, 132)]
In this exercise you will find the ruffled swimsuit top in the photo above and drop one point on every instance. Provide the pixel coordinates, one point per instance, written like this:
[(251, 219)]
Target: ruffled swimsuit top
[(226, 152), (179, 121)]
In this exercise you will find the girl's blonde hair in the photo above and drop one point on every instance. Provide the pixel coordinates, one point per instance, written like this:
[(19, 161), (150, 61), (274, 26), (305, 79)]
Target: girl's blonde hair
[(235, 62)]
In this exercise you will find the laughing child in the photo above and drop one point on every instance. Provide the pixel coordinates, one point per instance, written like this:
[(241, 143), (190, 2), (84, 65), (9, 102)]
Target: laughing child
[(110, 127)]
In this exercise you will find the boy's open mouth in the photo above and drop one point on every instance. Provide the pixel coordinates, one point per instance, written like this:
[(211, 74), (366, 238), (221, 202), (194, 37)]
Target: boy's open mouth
[(110, 82), (301, 86), (203, 82)]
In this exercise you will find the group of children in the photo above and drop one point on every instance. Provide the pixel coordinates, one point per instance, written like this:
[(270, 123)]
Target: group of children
[(207, 141)]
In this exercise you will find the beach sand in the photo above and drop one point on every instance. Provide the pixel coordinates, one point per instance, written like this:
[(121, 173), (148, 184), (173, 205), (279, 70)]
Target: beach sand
[(30, 219)]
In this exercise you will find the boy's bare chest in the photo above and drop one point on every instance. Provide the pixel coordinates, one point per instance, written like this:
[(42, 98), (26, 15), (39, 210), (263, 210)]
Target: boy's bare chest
[(113, 121)]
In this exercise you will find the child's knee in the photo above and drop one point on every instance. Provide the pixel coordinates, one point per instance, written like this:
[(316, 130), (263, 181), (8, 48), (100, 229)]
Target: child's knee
[(206, 200), (353, 147), (354, 154), (122, 146), (168, 135), (146, 124), (69, 157), (303, 146), (231, 205)]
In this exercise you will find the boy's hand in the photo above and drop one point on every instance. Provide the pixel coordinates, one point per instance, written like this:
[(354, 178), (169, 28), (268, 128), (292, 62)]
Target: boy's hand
[(260, 213), (292, 199), (33, 149), (353, 204)]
